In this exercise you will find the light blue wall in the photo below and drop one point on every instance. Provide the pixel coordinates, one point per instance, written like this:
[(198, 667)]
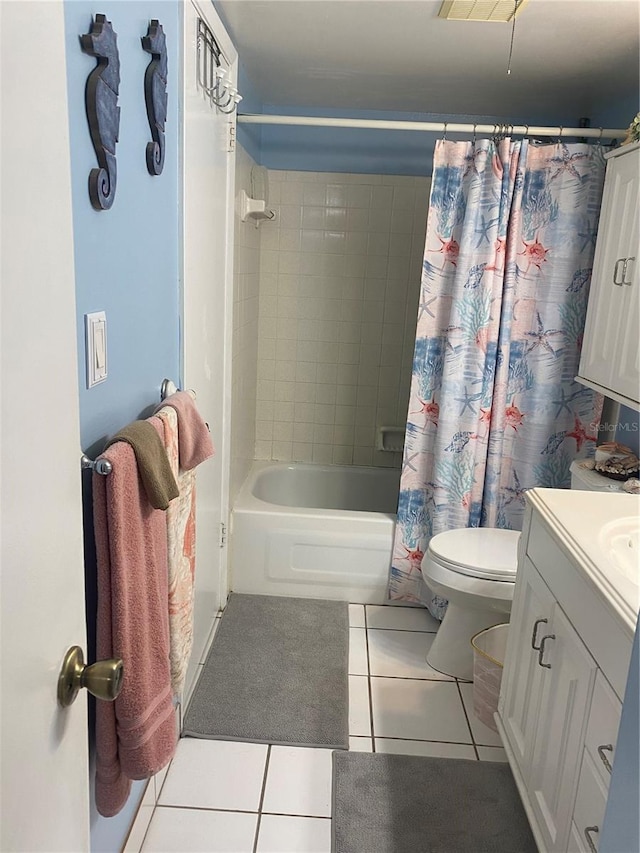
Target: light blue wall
[(628, 431), (127, 264), (616, 112), (621, 829), (376, 152), (127, 257)]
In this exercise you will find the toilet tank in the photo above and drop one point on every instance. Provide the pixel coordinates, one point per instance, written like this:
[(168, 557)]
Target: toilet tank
[(591, 481)]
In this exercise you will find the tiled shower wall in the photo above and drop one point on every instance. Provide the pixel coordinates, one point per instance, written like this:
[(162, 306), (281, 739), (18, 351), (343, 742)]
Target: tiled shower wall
[(339, 285), (246, 266)]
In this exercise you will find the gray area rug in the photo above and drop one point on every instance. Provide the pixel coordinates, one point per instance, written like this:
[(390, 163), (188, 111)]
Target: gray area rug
[(276, 673), (409, 804)]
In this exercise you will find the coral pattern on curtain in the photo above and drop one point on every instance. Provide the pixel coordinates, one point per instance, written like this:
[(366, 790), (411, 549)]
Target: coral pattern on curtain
[(493, 408)]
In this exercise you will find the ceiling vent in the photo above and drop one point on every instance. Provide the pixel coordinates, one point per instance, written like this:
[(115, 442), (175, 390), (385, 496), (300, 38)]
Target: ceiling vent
[(481, 10)]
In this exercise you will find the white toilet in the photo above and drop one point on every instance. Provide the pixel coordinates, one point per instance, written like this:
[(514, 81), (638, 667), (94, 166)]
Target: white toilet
[(475, 570)]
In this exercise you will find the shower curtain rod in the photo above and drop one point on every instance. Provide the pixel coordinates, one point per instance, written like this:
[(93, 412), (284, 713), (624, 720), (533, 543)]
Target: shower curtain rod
[(436, 126)]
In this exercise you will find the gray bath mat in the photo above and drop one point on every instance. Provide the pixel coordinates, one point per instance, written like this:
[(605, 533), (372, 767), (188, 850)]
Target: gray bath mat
[(405, 804), (276, 673)]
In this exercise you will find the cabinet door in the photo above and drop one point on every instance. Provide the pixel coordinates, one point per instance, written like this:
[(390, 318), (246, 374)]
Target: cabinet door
[(610, 350), (567, 683), (522, 676)]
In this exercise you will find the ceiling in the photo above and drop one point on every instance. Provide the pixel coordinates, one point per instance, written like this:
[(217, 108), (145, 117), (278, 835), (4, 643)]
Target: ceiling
[(570, 57)]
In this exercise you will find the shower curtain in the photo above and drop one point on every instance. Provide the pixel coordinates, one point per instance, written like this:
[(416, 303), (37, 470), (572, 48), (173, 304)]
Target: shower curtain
[(493, 408)]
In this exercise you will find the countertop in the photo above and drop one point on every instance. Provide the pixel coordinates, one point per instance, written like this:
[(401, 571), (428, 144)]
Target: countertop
[(585, 525)]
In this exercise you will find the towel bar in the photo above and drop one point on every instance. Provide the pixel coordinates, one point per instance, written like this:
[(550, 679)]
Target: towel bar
[(100, 466), (167, 388), (103, 466)]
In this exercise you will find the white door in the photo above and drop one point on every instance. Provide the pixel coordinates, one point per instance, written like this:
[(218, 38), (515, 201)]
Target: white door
[(208, 169), (45, 795)]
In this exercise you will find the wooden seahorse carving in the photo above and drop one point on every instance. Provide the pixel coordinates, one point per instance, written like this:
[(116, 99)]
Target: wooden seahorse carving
[(155, 94), (103, 112)]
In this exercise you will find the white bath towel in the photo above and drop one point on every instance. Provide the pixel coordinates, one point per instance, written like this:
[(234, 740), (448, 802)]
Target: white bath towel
[(181, 549)]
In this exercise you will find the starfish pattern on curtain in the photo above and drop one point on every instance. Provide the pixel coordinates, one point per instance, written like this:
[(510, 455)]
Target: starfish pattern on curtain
[(494, 409)]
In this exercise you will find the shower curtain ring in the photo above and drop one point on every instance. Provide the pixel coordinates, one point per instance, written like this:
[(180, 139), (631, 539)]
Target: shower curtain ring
[(526, 130), (560, 134), (444, 132), (474, 133), (600, 137)]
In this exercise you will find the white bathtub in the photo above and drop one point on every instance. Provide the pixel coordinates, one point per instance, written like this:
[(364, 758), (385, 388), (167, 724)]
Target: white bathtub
[(316, 531)]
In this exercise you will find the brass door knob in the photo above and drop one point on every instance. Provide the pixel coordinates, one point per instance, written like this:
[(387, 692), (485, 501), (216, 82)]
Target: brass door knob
[(102, 679)]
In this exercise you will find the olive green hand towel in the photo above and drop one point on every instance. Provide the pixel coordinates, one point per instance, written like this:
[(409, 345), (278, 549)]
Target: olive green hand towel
[(153, 463)]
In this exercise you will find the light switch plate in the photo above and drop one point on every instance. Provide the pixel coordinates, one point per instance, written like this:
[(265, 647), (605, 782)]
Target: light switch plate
[(96, 347)]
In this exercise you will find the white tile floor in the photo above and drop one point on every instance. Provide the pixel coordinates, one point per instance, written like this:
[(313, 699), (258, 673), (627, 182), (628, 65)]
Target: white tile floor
[(230, 797)]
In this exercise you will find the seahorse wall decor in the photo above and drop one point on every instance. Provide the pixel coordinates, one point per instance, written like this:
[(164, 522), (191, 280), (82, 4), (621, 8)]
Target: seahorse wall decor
[(155, 94), (103, 112)]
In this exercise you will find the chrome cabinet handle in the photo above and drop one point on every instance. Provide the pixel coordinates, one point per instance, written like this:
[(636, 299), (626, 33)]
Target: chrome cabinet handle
[(624, 271), (606, 747), (615, 271), (587, 834), (535, 631), (541, 651)]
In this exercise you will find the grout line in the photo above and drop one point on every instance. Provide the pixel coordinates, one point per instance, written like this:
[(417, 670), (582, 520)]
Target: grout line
[(366, 636), (422, 740), (466, 716), (146, 832), (416, 678), (159, 792), (262, 793), (291, 814), (206, 809), (404, 630)]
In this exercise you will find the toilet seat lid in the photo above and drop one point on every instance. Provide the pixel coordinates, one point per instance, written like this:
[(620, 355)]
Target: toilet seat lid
[(480, 552)]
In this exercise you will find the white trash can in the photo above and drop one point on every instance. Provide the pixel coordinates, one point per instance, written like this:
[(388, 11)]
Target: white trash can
[(489, 647)]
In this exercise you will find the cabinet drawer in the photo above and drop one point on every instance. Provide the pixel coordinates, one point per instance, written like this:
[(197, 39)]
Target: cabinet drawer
[(591, 802), (602, 728)]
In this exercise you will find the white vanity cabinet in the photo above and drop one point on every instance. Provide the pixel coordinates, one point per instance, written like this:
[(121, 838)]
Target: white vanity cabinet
[(565, 669), (610, 359)]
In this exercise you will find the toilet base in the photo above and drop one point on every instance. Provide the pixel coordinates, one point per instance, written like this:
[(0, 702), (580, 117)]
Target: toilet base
[(451, 652)]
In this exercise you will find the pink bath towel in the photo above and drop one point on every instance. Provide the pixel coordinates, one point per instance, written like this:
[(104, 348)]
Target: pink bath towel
[(136, 734), (194, 441)]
